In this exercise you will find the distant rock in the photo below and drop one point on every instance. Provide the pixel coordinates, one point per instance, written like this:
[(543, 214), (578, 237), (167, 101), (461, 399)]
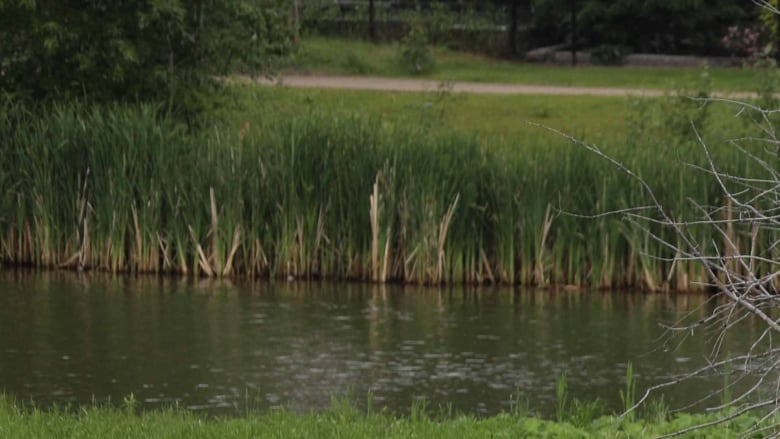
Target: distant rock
[(544, 54), (558, 54)]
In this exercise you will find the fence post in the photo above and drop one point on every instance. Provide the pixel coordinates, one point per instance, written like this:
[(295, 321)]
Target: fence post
[(371, 21), (513, 28), (573, 33)]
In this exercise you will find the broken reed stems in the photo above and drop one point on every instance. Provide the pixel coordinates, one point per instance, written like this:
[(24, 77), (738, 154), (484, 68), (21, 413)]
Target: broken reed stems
[(123, 189)]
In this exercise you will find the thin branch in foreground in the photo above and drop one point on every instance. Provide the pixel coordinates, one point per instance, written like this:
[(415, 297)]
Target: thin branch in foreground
[(722, 420)]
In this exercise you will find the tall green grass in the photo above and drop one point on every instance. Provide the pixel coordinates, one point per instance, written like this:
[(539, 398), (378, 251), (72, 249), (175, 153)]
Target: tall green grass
[(331, 195)]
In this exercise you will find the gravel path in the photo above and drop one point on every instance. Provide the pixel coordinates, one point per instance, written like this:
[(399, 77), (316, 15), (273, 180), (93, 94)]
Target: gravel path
[(423, 85)]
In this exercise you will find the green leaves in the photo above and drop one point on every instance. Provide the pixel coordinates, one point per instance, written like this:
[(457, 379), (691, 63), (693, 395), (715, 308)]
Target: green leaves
[(138, 51)]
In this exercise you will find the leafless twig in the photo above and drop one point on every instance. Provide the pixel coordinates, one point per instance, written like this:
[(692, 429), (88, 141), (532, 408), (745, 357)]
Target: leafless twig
[(741, 261)]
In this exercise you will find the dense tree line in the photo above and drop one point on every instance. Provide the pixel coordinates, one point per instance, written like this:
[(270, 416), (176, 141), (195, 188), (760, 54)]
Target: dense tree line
[(165, 50), (650, 26)]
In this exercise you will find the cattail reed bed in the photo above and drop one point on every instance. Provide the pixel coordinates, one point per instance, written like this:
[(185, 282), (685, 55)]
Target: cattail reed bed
[(125, 189)]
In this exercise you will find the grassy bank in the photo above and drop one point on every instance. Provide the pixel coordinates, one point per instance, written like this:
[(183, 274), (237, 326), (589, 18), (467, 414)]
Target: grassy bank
[(353, 57), (600, 119), (310, 192), (340, 421)]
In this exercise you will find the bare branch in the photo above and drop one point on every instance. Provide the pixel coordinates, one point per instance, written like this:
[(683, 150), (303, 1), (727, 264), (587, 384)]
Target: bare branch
[(722, 420)]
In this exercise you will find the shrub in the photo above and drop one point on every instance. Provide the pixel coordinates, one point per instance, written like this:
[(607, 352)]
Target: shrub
[(416, 56), (166, 51), (742, 41)]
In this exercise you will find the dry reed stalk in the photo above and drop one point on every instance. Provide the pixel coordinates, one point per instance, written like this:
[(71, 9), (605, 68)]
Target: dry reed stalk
[(71, 262), (486, 264), (165, 251), (84, 254), (299, 259), (630, 267), (673, 272), (104, 257), (29, 240), (233, 250), (214, 256), (108, 256), (373, 211), (45, 250), (539, 277), (80, 258), (409, 270), (183, 268), (258, 259), (649, 280), (320, 236), (386, 257), (442, 238), (605, 278), (6, 244), (730, 244), (754, 246), (138, 238), (202, 259)]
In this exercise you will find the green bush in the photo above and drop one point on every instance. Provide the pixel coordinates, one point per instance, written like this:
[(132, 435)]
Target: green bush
[(166, 51), (416, 57), (355, 64)]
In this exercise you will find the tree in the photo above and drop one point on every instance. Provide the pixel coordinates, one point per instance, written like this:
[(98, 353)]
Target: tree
[(653, 26), (371, 21), (770, 18), (515, 9), (136, 50)]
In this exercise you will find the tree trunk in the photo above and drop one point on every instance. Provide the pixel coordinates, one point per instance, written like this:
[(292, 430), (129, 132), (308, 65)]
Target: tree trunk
[(371, 21), (513, 28), (777, 36), (573, 33)]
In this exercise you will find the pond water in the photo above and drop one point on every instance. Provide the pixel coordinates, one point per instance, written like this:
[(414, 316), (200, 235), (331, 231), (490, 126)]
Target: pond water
[(228, 347)]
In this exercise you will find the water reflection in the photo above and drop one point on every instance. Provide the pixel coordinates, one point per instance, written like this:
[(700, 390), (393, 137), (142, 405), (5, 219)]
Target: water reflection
[(228, 346)]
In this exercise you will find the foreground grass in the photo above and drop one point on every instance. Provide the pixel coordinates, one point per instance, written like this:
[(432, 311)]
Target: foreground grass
[(341, 421), (353, 57)]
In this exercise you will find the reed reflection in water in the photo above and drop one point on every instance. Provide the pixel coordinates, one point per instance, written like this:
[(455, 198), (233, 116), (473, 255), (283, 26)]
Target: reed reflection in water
[(228, 347)]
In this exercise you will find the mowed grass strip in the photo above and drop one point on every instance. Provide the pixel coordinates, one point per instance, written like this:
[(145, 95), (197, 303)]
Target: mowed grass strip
[(319, 55), (341, 421), (606, 120), (490, 116)]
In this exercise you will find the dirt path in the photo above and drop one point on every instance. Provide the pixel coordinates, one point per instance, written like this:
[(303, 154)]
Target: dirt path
[(423, 85)]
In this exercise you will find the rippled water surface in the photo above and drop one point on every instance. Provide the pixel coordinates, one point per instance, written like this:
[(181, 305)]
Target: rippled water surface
[(228, 347)]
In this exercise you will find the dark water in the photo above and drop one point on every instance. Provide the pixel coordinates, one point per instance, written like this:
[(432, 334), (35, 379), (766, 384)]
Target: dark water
[(228, 347)]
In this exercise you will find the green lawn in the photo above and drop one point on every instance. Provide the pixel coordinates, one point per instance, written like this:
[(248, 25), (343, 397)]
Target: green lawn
[(485, 115), (604, 120), (338, 56), (342, 421)]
